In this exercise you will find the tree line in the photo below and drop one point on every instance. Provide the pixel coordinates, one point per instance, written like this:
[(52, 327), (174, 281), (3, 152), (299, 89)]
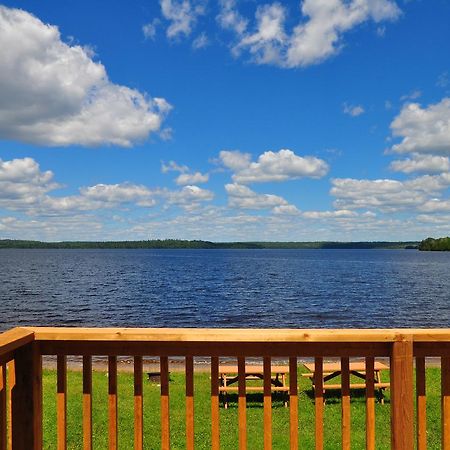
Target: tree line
[(440, 244)]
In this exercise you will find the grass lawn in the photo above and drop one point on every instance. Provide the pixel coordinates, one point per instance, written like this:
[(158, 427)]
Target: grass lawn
[(229, 417)]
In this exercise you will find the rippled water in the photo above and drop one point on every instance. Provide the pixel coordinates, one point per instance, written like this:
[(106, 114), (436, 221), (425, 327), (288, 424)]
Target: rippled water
[(225, 288)]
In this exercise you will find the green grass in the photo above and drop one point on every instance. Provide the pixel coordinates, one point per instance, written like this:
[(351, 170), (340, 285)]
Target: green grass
[(228, 418)]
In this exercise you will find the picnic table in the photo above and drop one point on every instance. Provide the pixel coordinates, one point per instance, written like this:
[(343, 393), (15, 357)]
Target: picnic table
[(358, 369), (228, 375)]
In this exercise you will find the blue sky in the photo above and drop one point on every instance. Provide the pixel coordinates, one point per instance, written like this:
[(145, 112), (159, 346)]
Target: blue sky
[(225, 120)]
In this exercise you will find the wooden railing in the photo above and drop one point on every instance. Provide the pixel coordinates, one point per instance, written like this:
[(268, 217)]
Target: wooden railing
[(21, 351)]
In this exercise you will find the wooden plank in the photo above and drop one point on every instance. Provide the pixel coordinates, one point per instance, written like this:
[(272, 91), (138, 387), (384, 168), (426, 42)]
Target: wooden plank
[(112, 403), (11, 381), (138, 404), (87, 402), (346, 420), (402, 397), (370, 403), (26, 401), (293, 404), (267, 403), (165, 425), (242, 405), (215, 418), (3, 413), (189, 368), (61, 402), (318, 396), (15, 338), (239, 335), (421, 404), (445, 402)]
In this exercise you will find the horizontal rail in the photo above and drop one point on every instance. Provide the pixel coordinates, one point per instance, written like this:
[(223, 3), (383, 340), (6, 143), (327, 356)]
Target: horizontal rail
[(13, 339)]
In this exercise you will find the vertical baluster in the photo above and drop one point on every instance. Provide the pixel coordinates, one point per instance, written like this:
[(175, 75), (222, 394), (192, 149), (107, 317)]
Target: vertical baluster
[(242, 404), (293, 403), (345, 386), (61, 400), (112, 402), (138, 405), (11, 381), (370, 403), (165, 425), (267, 403), (3, 428), (215, 418), (318, 394), (189, 403), (87, 402), (421, 402), (445, 402)]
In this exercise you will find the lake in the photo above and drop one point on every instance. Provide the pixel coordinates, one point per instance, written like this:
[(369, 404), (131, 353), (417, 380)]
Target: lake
[(225, 288)]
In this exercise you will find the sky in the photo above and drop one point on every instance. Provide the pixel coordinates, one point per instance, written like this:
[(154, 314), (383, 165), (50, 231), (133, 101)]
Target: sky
[(225, 120)]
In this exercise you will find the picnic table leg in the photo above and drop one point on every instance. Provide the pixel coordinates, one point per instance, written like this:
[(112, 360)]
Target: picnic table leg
[(225, 398)]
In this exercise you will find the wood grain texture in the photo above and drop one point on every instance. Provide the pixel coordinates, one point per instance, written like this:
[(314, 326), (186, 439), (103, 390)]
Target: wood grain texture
[(421, 404), (345, 403), (165, 414), (189, 368), (11, 381), (293, 404), (267, 403), (138, 404), (445, 402), (87, 402), (3, 421), (215, 417), (15, 338), (370, 403), (112, 403), (61, 402), (242, 405), (318, 396)]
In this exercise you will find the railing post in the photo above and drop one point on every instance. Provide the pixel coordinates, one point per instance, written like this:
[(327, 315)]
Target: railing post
[(26, 399), (402, 394)]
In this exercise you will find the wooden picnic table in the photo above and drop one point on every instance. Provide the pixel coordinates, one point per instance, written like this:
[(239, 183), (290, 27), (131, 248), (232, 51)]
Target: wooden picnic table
[(358, 369), (228, 375)]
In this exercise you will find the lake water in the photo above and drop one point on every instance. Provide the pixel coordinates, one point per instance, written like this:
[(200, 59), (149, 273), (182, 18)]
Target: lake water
[(225, 288)]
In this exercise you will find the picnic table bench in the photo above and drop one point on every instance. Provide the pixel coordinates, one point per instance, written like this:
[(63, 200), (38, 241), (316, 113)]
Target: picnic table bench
[(228, 375), (357, 368)]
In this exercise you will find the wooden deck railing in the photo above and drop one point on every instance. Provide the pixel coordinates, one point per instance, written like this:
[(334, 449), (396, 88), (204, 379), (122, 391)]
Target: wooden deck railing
[(21, 351)]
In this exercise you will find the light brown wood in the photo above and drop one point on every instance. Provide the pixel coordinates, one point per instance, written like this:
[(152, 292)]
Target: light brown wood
[(421, 404), (357, 366), (318, 396), (445, 402), (11, 381), (189, 368), (165, 425), (242, 405), (215, 418), (87, 402), (293, 404), (138, 404), (402, 397), (346, 419), (3, 428), (61, 402), (13, 339), (112, 403), (267, 404), (370, 403)]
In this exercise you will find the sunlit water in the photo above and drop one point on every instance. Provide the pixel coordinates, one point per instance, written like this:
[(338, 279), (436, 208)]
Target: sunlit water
[(225, 288)]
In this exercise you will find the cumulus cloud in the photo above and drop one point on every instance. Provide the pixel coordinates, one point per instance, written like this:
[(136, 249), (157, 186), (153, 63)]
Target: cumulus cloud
[(422, 163), (436, 205), (240, 196), (186, 177), (182, 15), (189, 197), (328, 214), (55, 94), (318, 36), (423, 130), (272, 166), (353, 110), (387, 195)]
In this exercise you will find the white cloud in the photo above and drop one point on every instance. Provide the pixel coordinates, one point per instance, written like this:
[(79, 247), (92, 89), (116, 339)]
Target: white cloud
[(328, 214), (436, 205), (423, 130), (273, 166), (286, 209), (353, 110), (189, 197), (54, 94), (240, 196), (422, 163), (414, 95), (182, 15), (201, 41), (318, 36), (387, 195), (172, 166), (191, 178), (149, 29)]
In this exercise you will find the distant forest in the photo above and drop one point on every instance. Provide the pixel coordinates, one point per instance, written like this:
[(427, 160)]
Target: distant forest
[(430, 244), (175, 243)]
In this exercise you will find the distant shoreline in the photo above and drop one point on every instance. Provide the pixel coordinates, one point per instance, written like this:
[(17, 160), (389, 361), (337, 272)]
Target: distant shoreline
[(198, 244)]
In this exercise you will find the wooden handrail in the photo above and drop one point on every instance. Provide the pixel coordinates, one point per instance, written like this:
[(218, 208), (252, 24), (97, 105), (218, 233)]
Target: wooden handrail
[(15, 338)]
